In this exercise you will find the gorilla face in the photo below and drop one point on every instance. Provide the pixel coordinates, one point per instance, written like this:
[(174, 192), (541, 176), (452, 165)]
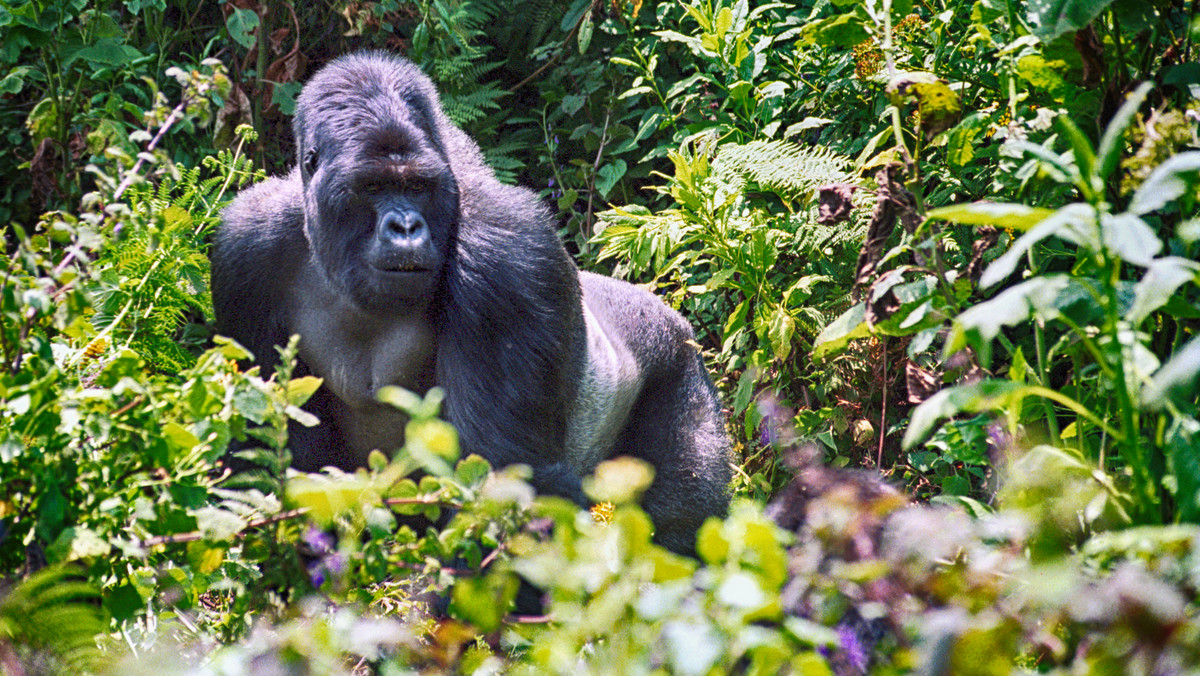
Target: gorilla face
[(381, 202)]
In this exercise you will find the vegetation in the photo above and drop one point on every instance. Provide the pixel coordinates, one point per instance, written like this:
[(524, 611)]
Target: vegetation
[(968, 445)]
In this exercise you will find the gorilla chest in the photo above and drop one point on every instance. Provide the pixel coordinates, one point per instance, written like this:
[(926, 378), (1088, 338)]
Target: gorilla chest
[(358, 354)]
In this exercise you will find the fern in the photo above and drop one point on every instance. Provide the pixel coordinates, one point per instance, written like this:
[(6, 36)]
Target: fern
[(52, 618), (153, 275), (785, 168)]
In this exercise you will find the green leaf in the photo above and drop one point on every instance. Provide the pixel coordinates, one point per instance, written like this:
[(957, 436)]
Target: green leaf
[(1167, 182), (326, 497), (242, 24), (780, 330), (1074, 222), (1163, 277), (608, 176), (179, 436), (300, 389), (1177, 380), (973, 398), (852, 324), (1085, 157), (978, 325), (586, 27), (960, 141), (109, 52), (484, 601), (619, 481), (1053, 18), (939, 105), (1111, 144), (1130, 238), (843, 30), (998, 214), (123, 601)]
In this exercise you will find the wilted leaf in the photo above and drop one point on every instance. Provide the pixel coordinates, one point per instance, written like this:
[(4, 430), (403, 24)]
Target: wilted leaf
[(939, 106)]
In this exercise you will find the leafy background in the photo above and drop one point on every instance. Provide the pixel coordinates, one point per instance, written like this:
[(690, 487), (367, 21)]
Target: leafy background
[(967, 444)]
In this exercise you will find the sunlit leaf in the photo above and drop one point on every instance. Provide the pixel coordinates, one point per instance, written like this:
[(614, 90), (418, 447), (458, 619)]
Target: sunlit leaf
[(998, 214), (1167, 182)]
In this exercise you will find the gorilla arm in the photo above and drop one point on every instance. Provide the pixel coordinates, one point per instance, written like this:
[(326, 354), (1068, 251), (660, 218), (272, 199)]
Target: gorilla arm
[(256, 256), (512, 340)]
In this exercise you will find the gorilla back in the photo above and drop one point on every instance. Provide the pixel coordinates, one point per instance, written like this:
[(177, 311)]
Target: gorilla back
[(399, 259)]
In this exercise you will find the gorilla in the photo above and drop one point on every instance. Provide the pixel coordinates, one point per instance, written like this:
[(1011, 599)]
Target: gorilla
[(399, 259)]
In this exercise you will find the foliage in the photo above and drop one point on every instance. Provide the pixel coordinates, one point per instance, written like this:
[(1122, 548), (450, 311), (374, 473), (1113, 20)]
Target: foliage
[(1027, 365)]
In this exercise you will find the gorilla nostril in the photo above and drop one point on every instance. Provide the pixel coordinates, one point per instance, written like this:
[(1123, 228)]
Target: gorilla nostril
[(406, 225)]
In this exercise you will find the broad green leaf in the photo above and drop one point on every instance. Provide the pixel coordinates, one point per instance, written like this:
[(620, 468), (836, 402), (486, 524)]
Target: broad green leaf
[(1111, 145), (780, 330), (987, 395), (939, 105), (1085, 157), (179, 436), (998, 214), (960, 141), (981, 323), (1074, 222), (218, 524), (838, 334), (1167, 182), (326, 497), (1052, 18), (300, 389), (1130, 238), (619, 481), (484, 601), (586, 28), (843, 30), (608, 176), (1177, 379), (572, 15), (242, 24)]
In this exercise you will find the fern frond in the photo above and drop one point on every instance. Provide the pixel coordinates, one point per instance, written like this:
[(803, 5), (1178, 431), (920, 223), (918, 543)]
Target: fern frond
[(56, 616), (785, 168)]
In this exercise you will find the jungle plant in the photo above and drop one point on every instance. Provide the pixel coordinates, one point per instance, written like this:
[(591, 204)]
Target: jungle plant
[(1114, 364)]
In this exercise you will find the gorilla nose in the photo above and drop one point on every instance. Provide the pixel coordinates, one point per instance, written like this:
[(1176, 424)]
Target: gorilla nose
[(406, 228)]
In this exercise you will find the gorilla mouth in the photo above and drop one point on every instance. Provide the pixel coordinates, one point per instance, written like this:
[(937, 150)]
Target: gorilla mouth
[(404, 268)]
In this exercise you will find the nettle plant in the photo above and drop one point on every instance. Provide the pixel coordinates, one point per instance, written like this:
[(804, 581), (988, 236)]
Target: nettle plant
[(1111, 309)]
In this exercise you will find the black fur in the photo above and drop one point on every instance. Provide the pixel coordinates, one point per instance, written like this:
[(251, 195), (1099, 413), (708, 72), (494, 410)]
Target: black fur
[(541, 364)]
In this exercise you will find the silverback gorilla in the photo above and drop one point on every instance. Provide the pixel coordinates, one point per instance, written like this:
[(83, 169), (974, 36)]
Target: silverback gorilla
[(399, 259)]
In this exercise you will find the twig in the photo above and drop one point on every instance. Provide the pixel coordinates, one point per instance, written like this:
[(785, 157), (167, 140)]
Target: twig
[(175, 116), (558, 55), (883, 413), (199, 535), (596, 167)]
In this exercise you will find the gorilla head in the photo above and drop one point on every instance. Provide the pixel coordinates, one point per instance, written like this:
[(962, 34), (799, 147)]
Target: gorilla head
[(399, 259), (380, 199)]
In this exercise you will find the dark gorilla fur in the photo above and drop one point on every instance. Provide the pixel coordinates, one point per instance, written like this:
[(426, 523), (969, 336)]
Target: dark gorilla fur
[(399, 259)]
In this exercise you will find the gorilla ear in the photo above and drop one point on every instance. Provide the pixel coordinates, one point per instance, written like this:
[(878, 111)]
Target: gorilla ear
[(311, 158)]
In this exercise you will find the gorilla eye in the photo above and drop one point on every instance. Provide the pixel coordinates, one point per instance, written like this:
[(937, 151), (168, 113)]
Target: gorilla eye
[(418, 184), (310, 161)]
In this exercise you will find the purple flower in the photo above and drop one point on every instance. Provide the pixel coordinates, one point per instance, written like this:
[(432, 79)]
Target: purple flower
[(320, 541), (852, 647), (316, 573)]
